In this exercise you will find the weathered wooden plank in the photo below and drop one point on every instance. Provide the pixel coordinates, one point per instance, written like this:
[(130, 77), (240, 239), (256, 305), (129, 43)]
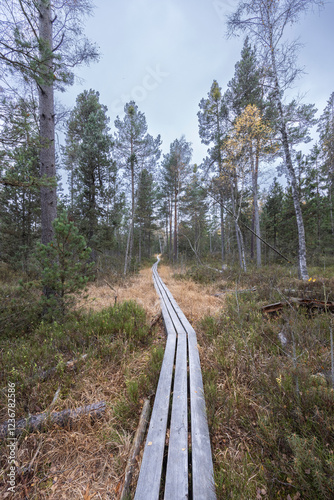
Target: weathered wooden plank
[(137, 441), (149, 480), (148, 485), (176, 486), (169, 326), (165, 297), (202, 466), (201, 455)]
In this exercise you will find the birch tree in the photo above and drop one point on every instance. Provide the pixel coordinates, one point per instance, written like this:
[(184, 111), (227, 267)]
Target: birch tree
[(266, 21)]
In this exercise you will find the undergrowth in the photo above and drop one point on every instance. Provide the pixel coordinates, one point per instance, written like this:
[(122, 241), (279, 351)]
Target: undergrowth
[(270, 399), (115, 344), (107, 335)]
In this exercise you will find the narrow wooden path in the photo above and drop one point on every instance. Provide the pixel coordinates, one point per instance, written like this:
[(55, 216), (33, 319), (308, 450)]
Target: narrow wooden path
[(179, 407)]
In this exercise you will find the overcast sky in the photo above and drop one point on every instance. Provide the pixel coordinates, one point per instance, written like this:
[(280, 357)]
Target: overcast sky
[(164, 54)]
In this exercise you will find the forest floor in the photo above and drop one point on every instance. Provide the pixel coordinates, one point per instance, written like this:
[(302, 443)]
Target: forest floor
[(270, 404)]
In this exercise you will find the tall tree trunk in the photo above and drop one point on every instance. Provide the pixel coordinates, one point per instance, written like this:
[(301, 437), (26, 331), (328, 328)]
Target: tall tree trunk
[(256, 207), (221, 196), (132, 205), (302, 266), (139, 246), (129, 246), (238, 241), (175, 225), (46, 123), (167, 240), (252, 235), (170, 230), (222, 232), (126, 261), (331, 206), (91, 217)]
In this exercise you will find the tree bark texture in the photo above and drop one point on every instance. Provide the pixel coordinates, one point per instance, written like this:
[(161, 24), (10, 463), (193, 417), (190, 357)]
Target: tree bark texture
[(47, 124), (256, 208), (302, 266)]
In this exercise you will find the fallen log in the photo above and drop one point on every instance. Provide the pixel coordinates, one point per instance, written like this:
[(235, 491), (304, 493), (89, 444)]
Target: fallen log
[(138, 439), (311, 304), (39, 422)]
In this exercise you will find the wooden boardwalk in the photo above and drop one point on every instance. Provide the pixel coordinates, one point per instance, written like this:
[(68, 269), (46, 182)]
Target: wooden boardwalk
[(180, 407)]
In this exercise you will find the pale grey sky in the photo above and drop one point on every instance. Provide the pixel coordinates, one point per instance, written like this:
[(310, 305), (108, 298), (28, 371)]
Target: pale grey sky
[(164, 54)]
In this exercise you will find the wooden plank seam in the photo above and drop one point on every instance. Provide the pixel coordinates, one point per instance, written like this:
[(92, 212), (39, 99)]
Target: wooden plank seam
[(181, 343)]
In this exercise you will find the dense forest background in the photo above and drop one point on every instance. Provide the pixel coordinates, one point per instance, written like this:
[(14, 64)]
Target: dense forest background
[(260, 196), (246, 236)]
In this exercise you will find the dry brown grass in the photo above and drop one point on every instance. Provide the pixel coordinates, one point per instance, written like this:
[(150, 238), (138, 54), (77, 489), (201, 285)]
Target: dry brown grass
[(195, 300), (139, 288), (88, 460)]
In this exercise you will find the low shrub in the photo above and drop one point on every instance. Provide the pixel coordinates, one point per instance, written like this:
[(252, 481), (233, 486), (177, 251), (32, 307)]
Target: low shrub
[(270, 404)]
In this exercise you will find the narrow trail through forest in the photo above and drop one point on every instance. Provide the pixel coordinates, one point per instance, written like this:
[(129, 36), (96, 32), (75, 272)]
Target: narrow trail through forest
[(195, 300)]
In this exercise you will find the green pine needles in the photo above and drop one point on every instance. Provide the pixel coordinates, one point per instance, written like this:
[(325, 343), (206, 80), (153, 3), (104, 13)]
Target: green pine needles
[(66, 267)]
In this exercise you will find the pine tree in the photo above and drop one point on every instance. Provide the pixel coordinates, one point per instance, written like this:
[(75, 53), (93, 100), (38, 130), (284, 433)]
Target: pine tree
[(145, 213), (213, 125), (326, 132), (41, 42), (64, 267), (247, 89), (134, 150), (250, 141), (194, 208), (19, 196), (88, 158), (176, 168)]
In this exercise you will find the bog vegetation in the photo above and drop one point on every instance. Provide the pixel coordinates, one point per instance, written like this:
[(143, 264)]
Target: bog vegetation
[(269, 379)]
